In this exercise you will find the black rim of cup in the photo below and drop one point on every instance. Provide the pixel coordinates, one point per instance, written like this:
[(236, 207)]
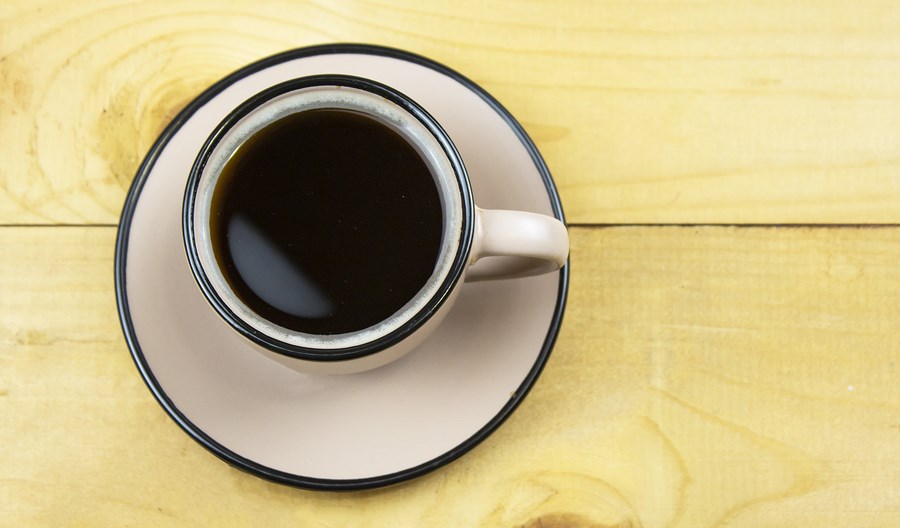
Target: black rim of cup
[(417, 320)]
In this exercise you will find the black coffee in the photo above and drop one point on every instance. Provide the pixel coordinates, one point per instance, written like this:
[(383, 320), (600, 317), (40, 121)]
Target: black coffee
[(326, 222)]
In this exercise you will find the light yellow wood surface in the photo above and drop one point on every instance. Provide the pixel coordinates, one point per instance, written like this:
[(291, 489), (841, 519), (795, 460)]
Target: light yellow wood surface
[(704, 377), (700, 112)]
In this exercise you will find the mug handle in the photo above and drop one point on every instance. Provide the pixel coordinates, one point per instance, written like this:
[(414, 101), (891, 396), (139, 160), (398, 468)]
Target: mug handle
[(525, 243)]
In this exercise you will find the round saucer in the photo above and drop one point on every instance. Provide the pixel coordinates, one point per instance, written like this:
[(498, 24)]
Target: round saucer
[(338, 432)]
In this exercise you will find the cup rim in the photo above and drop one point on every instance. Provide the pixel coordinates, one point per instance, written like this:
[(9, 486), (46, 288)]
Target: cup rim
[(418, 319)]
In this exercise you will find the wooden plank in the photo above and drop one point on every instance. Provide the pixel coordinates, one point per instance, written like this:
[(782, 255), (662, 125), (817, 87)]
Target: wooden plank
[(703, 377), (647, 112)]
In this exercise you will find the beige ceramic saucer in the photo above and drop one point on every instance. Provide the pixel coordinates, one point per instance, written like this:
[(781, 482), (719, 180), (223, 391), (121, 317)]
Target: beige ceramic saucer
[(340, 432)]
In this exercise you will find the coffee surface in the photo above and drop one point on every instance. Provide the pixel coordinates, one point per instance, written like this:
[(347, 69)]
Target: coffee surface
[(326, 221)]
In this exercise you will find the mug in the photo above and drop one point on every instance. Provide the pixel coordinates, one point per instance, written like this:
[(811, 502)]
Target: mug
[(326, 108)]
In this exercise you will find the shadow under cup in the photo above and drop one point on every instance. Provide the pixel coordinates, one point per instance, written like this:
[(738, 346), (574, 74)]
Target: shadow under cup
[(327, 219)]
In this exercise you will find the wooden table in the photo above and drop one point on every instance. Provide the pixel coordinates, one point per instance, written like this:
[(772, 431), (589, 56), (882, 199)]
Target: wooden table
[(731, 173)]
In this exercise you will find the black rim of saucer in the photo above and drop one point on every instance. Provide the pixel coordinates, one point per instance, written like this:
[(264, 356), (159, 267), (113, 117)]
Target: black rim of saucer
[(208, 442)]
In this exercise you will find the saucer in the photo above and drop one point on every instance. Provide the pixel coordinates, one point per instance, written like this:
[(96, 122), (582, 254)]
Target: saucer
[(354, 431)]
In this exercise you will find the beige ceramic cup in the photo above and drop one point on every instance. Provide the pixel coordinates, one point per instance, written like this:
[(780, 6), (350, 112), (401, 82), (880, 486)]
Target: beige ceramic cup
[(514, 243)]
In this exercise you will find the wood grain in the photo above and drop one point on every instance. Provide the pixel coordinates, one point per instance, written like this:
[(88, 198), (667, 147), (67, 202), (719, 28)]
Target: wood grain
[(704, 377), (659, 112)]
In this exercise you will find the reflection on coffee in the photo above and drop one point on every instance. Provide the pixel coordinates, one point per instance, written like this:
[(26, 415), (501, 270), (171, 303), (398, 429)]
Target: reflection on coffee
[(326, 221)]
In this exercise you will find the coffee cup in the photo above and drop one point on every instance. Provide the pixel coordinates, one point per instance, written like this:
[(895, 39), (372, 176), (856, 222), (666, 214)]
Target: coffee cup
[(329, 220)]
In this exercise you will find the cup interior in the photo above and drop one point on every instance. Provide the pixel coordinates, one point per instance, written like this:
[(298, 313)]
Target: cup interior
[(376, 102)]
